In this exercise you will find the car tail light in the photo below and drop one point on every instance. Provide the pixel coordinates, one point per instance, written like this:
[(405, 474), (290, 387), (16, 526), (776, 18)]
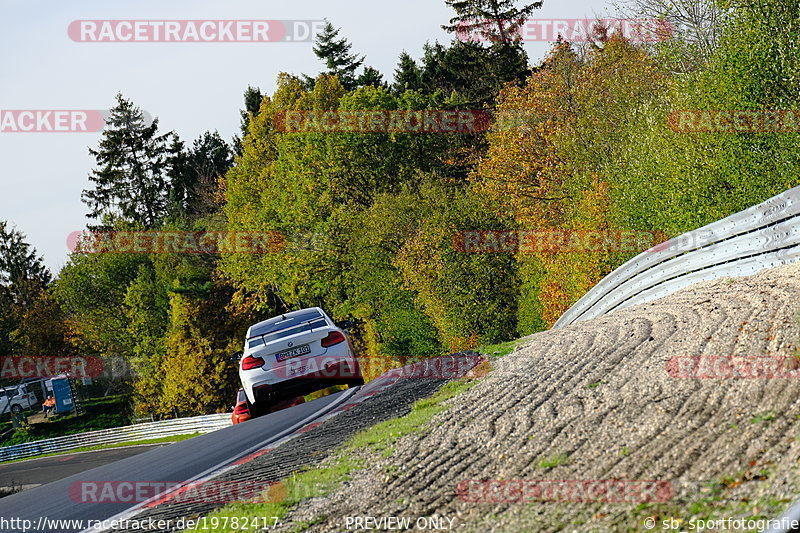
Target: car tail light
[(241, 409), (250, 362), (334, 337)]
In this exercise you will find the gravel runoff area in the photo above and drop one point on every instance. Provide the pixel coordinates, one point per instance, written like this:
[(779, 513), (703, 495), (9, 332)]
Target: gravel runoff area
[(601, 401)]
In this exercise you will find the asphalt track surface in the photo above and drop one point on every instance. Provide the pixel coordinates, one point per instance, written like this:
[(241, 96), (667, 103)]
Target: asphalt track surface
[(178, 462), (48, 469)]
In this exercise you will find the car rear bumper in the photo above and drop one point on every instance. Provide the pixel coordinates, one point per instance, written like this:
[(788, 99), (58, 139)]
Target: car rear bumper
[(341, 372)]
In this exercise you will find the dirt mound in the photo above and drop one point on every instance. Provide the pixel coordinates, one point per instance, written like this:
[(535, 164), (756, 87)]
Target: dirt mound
[(607, 400)]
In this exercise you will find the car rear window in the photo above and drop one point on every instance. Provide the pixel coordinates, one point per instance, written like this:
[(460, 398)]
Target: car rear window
[(284, 328)]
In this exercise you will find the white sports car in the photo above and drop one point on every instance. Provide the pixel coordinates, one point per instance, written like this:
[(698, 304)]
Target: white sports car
[(293, 355)]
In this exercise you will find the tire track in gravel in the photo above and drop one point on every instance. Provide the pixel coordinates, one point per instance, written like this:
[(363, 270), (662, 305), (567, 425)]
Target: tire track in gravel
[(598, 391)]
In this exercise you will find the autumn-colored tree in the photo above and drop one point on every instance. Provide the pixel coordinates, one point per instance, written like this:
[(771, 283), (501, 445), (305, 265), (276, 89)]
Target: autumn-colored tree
[(471, 298), (196, 375), (521, 171), (551, 160), (42, 329)]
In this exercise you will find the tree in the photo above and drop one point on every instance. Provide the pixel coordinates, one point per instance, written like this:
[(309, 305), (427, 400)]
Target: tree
[(179, 176), (23, 279), (371, 77), (336, 54), (130, 180), (252, 103), (469, 297), (195, 375), (470, 73), (41, 328), (696, 23), (92, 289), (195, 173), (8, 321), (555, 170), (18, 261), (495, 20), (498, 22), (407, 75), (677, 181)]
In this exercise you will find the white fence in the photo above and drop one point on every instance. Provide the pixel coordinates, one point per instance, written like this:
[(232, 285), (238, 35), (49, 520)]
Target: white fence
[(761, 237), (150, 430)]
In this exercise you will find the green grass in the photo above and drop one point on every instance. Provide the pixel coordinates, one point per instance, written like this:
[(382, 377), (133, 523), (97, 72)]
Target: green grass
[(174, 438), (381, 437), (282, 496), (101, 413), (498, 350), (319, 481), (763, 418), (554, 461), (716, 502)]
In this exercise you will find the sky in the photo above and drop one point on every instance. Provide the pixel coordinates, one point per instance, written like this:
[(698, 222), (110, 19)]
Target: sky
[(190, 87)]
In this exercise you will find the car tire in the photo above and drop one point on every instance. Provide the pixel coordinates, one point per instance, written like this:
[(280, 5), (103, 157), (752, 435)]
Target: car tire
[(258, 410), (16, 409)]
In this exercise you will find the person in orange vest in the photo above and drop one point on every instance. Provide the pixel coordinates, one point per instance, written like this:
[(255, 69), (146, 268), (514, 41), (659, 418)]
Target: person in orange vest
[(48, 405)]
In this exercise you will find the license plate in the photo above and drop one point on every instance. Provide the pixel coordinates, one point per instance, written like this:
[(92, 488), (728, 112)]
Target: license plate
[(294, 352)]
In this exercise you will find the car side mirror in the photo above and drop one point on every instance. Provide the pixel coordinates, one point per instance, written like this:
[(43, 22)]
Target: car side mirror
[(237, 356), (345, 324)]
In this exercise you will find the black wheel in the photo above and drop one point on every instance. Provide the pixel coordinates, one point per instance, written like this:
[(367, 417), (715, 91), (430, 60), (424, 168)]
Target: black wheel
[(258, 410), (16, 409)]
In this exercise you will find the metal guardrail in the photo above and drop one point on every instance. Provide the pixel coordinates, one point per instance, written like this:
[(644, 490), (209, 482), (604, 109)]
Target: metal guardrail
[(763, 236), (151, 430)]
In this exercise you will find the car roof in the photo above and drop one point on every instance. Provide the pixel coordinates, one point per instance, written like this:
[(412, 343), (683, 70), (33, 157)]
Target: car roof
[(285, 321)]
